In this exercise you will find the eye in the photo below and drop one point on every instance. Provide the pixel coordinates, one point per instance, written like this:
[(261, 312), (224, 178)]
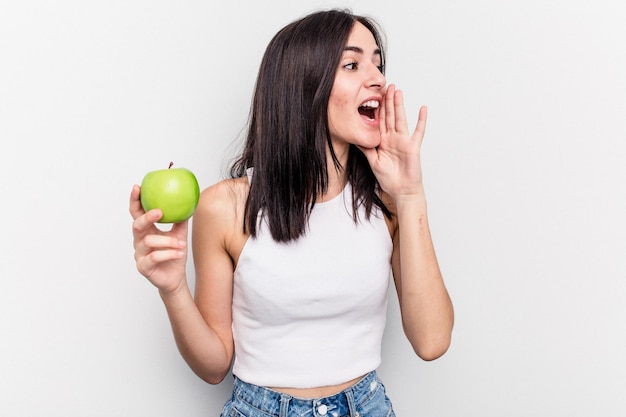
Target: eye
[(351, 66)]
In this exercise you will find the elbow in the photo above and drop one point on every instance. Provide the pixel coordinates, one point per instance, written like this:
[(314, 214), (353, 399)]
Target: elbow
[(211, 376), (432, 351), (214, 379), (429, 347), (432, 341)]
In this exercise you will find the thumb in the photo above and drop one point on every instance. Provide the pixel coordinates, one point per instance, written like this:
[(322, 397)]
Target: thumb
[(371, 154), (181, 229)]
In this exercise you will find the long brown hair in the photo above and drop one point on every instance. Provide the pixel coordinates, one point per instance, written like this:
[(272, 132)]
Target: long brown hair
[(288, 130)]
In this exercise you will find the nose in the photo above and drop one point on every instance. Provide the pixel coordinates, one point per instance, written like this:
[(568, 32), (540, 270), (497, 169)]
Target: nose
[(376, 78)]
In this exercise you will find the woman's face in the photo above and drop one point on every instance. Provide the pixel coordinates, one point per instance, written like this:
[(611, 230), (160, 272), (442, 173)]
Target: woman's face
[(357, 93)]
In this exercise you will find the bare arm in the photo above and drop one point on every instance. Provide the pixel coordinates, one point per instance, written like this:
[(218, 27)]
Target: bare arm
[(426, 308), (427, 313), (161, 257)]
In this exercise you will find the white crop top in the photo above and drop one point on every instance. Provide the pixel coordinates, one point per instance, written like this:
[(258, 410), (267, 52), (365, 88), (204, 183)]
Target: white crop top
[(312, 312)]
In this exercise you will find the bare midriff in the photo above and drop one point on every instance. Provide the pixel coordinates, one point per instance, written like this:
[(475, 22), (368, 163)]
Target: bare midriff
[(317, 392)]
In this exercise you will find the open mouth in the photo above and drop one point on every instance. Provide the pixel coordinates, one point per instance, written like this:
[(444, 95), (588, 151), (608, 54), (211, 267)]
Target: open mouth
[(369, 108)]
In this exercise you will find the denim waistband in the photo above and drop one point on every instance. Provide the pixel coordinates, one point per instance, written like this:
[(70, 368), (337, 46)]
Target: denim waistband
[(278, 404)]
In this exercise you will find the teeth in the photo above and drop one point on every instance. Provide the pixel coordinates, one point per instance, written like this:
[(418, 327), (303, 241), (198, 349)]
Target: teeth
[(372, 104)]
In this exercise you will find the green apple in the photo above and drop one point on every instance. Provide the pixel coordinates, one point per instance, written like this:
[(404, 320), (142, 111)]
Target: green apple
[(174, 191)]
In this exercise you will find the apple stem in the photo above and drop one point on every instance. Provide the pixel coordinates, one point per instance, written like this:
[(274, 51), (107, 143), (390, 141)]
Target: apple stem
[(171, 163)]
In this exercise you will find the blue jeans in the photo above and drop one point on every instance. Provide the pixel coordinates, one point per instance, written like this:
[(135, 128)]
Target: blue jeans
[(366, 398)]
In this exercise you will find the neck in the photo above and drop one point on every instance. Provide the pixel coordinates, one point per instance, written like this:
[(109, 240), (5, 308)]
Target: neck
[(336, 176)]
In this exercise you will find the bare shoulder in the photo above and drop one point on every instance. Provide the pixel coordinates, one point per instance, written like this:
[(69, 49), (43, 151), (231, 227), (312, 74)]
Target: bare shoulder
[(220, 214), (225, 198), (217, 241)]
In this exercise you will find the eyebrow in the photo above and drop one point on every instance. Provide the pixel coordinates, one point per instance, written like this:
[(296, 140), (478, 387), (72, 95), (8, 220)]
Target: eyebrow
[(359, 50)]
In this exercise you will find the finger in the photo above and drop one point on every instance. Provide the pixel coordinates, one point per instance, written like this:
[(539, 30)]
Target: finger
[(147, 264), (161, 242), (382, 125), (371, 154), (181, 230), (421, 123), (390, 116), (400, 121), (145, 221), (135, 207)]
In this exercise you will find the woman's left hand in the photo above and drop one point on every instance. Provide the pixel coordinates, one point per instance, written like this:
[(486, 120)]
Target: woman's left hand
[(396, 161)]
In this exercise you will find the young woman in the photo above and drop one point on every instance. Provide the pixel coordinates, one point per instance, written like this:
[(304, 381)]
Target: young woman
[(294, 253)]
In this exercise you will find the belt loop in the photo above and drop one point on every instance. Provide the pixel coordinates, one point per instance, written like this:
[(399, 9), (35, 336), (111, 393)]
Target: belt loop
[(284, 405), (351, 406)]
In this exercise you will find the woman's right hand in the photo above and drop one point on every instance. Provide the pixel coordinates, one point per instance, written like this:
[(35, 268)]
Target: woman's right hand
[(161, 256)]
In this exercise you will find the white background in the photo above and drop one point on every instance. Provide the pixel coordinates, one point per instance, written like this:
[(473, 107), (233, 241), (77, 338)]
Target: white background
[(523, 163)]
